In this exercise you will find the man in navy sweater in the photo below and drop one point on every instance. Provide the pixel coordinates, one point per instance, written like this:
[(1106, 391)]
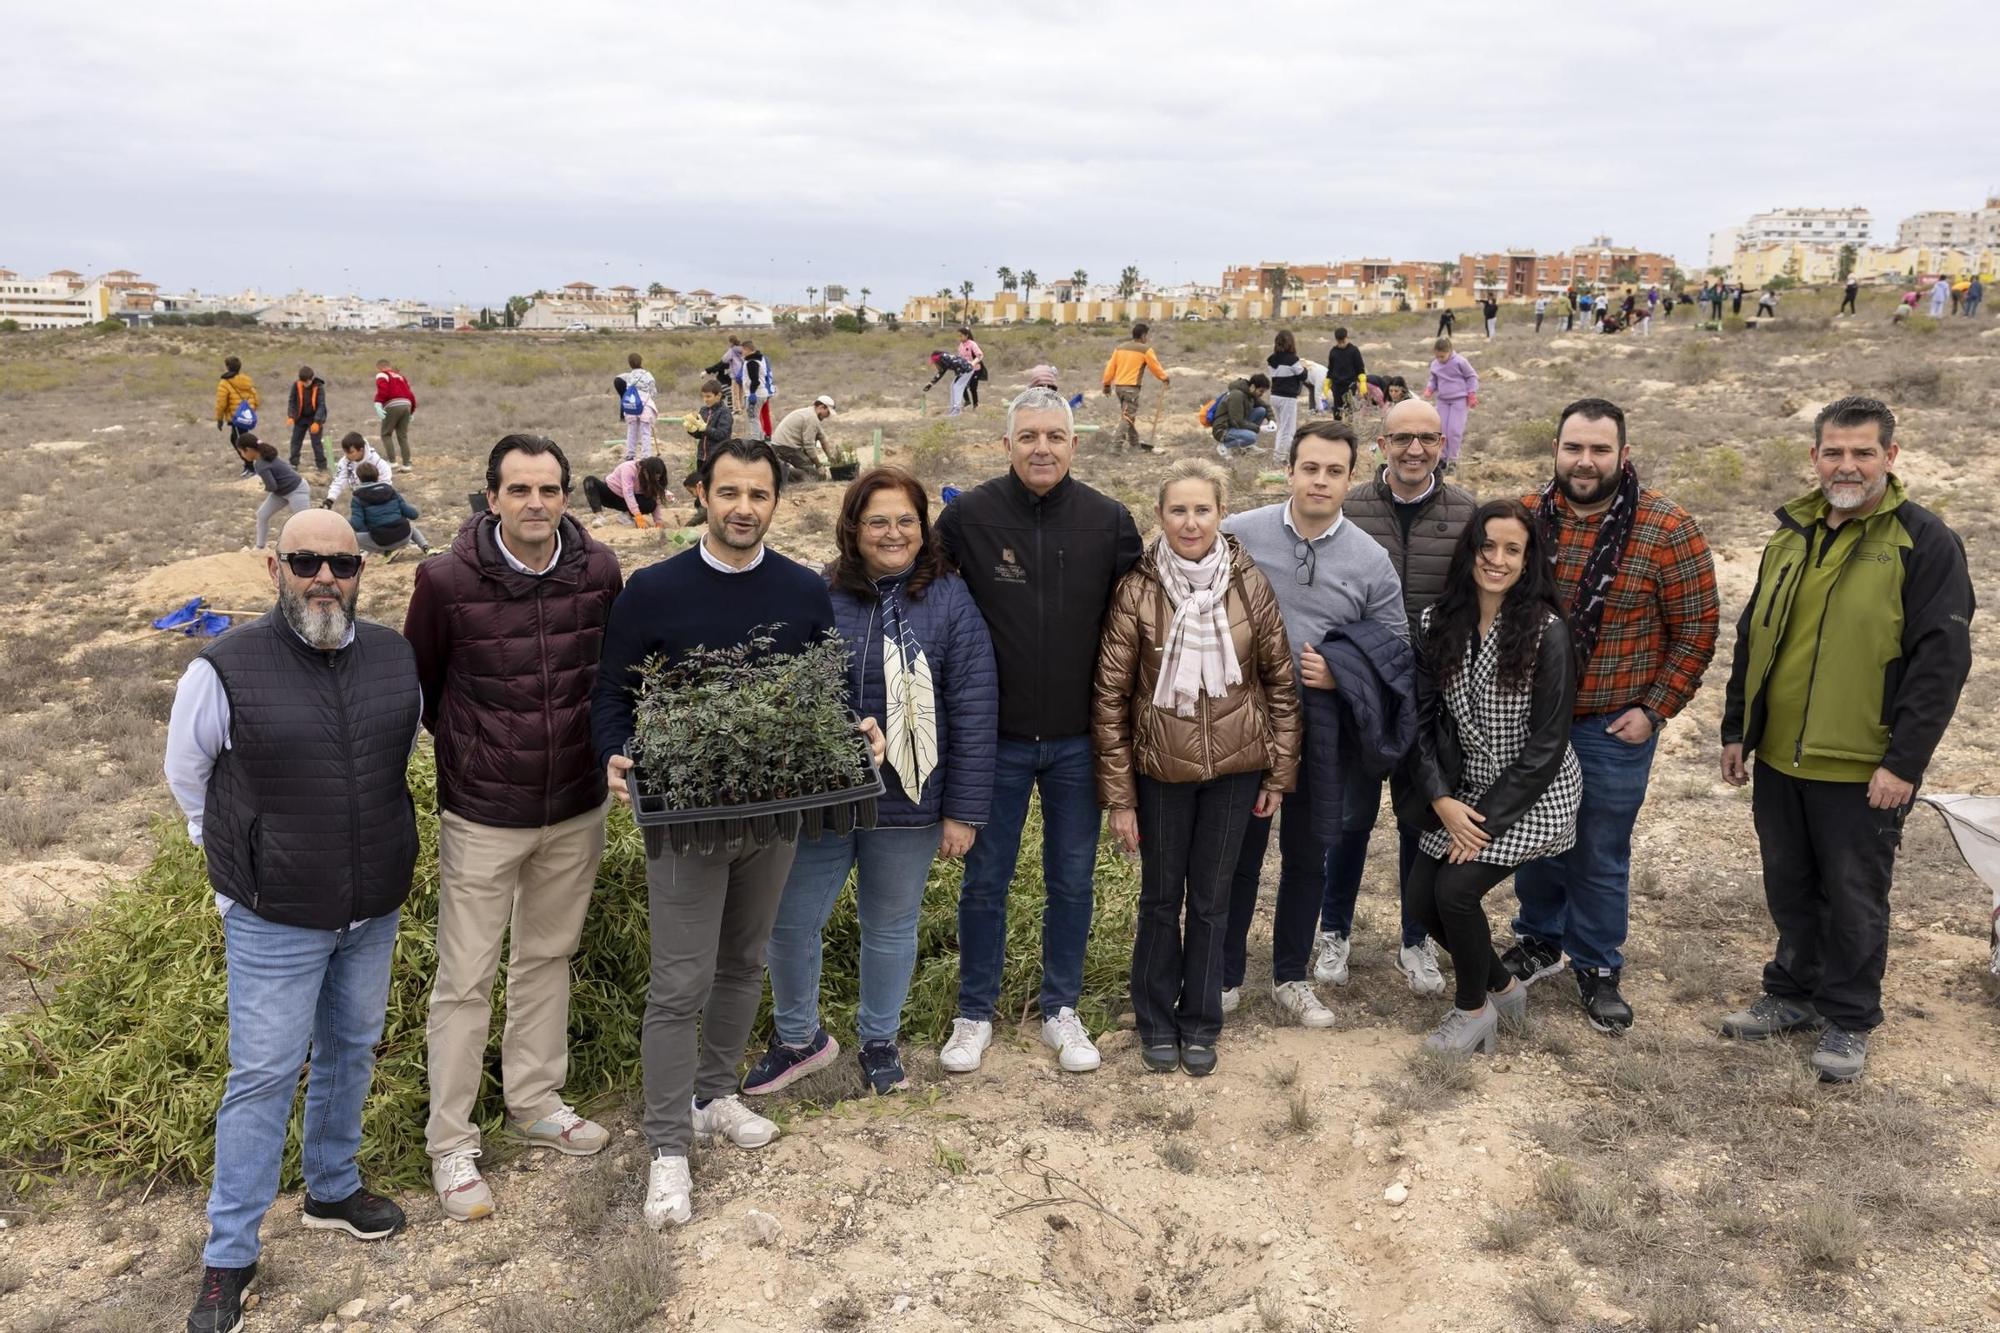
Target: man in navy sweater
[(710, 916)]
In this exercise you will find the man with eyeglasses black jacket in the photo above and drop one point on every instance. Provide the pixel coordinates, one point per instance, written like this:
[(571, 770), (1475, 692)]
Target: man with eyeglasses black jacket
[(1415, 515), (285, 750), (1326, 572)]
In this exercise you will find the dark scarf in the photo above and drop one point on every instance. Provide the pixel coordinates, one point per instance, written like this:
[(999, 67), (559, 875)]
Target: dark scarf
[(1600, 569)]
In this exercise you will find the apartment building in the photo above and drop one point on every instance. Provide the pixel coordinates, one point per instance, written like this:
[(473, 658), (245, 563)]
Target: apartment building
[(63, 299), (1523, 274), (1833, 227)]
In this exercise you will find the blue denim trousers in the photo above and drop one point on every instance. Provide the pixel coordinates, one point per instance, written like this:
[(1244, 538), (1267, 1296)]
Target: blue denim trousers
[(1360, 803), (294, 994), (894, 864), (1065, 772), (1580, 902)]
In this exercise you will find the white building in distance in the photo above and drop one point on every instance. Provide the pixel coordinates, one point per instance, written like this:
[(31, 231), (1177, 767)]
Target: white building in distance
[(1945, 229), (1806, 226)]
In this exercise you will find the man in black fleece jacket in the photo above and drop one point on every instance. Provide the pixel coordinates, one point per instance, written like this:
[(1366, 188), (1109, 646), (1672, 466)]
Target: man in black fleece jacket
[(710, 915), (1041, 552)]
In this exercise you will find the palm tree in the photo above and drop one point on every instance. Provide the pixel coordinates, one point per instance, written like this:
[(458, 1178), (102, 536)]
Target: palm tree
[(1080, 278), (965, 290), (1028, 281), (1447, 270), (811, 294), (1278, 277), (1006, 276), (864, 307), (656, 289), (1128, 281)]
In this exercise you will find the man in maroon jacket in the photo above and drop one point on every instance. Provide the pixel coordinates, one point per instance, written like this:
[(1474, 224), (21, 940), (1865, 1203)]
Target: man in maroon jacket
[(507, 629)]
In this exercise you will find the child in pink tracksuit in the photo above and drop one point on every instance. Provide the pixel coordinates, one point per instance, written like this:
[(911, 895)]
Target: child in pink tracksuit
[(1454, 386)]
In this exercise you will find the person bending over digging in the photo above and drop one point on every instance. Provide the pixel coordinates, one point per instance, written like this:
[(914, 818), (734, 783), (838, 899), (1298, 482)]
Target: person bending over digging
[(285, 751), (710, 913)]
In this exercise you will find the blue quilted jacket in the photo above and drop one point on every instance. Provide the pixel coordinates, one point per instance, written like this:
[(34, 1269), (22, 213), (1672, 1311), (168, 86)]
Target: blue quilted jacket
[(960, 652)]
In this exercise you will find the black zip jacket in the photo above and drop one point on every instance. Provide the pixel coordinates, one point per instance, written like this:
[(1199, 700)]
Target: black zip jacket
[(1436, 761), (1344, 365), (1042, 570)]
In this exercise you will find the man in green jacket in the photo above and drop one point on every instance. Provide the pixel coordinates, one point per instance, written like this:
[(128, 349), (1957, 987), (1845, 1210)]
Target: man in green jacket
[(1849, 661)]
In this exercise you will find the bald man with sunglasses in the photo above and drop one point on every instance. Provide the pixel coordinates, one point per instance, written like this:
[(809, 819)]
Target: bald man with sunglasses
[(286, 752)]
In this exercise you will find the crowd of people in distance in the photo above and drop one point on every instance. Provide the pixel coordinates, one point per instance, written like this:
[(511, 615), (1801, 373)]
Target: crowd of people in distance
[(1502, 666)]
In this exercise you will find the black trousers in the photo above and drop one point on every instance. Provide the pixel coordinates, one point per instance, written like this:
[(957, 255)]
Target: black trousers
[(1846, 305), (1449, 900), (1828, 860), (601, 497), (1301, 888), (1189, 836), (301, 430)]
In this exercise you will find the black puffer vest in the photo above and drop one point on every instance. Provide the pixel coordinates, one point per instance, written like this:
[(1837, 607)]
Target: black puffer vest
[(309, 821)]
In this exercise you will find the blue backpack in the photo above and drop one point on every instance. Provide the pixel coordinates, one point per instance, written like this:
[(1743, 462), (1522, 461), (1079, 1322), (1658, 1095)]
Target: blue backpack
[(631, 403), (245, 416)]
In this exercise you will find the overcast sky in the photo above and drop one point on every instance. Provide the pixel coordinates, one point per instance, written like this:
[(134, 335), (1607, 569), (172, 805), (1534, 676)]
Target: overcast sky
[(468, 151)]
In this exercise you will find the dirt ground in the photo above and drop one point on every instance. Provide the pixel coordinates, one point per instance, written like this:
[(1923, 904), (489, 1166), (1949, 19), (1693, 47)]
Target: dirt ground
[(1320, 1180)]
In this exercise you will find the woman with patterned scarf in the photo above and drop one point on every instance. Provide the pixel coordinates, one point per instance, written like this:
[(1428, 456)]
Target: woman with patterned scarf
[(920, 662), (1196, 723)]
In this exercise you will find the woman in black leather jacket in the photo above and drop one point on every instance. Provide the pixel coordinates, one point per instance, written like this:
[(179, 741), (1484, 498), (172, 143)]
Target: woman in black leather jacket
[(1492, 780)]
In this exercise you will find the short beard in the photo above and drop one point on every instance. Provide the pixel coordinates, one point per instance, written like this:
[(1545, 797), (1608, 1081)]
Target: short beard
[(718, 528), (1869, 491), (1606, 484), (322, 622)]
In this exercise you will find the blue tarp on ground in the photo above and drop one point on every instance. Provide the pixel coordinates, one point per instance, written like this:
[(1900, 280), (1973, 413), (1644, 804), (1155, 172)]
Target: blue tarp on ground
[(193, 621)]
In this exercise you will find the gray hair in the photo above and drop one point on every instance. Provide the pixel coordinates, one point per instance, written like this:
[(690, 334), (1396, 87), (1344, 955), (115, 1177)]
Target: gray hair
[(1040, 400)]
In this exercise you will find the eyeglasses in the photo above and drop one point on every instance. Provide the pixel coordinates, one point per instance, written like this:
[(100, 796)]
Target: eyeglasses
[(1403, 439), (879, 524), (305, 564), (1308, 557)]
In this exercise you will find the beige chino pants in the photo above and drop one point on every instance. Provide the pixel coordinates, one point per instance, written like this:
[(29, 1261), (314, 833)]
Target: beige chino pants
[(532, 886)]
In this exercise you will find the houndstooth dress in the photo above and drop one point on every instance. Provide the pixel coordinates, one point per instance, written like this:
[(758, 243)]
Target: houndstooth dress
[(1492, 732)]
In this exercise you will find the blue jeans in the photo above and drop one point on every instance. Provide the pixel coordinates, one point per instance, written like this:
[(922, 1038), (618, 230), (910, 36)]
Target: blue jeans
[(894, 865), (1580, 902), (1065, 771), (293, 993), (1360, 802), (1243, 437)]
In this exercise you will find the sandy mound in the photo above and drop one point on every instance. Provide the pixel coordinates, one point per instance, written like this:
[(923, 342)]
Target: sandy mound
[(230, 580), (34, 888)]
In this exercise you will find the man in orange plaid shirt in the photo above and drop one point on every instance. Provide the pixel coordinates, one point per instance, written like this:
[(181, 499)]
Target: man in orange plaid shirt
[(1636, 580)]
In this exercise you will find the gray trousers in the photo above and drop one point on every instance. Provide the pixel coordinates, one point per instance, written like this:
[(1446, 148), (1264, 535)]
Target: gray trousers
[(298, 502), (710, 917), (396, 428)]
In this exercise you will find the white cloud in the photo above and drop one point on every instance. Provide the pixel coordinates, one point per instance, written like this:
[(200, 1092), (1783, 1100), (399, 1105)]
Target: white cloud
[(477, 150)]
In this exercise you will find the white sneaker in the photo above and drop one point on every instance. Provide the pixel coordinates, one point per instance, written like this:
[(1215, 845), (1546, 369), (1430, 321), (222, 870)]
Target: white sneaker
[(669, 1192), (1064, 1035), (462, 1193), (729, 1118), (1419, 963), (1231, 997), (1330, 951), (969, 1039), (1297, 999)]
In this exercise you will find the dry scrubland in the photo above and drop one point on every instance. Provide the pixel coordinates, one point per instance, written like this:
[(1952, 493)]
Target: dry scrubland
[(1663, 1182)]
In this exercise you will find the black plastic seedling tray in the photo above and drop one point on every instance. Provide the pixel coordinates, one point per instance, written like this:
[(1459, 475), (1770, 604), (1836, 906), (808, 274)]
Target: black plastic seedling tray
[(701, 832)]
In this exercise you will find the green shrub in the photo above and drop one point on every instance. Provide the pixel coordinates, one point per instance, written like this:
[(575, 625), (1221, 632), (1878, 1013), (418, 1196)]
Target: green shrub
[(10, 326), (934, 452), (108, 326), (121, 1074), (1921, 324)]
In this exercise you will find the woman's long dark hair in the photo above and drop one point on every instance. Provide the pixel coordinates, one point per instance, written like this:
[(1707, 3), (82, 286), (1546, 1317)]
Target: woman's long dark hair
[(849, 570), (1454, 621), (653, 480)]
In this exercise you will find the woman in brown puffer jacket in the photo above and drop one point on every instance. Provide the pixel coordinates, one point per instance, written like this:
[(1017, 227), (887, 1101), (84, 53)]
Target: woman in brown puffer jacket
[(1196, 723)]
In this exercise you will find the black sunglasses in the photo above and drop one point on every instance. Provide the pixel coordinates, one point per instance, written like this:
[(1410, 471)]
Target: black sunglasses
[(305, 564)]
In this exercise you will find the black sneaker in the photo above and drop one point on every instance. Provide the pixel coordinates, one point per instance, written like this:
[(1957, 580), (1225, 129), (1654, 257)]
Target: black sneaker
[(1602, 1004), (361, 1215), (782, 1065), (1161, 1057), (1530, 961), (1199, 1061), (882, 1067), (218, 1303)]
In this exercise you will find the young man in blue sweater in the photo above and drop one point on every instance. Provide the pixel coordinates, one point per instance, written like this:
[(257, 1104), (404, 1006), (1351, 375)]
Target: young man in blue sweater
[(1325, 572), (710, 915)]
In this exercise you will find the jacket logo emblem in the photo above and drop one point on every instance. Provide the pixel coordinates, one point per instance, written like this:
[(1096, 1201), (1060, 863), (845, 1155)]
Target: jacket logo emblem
[(1009, 570)]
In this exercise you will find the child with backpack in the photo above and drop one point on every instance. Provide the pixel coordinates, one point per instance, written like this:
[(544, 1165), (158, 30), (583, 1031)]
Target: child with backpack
[(235, 403), (638, 407)]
